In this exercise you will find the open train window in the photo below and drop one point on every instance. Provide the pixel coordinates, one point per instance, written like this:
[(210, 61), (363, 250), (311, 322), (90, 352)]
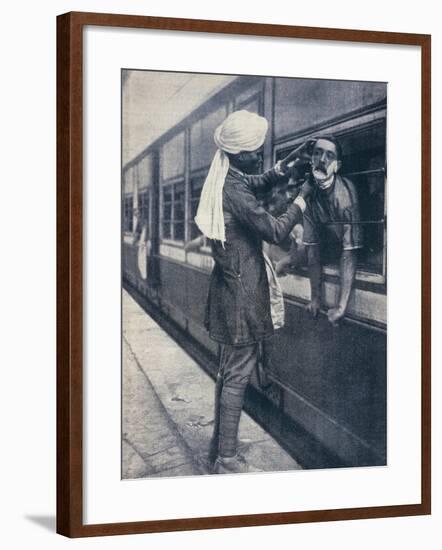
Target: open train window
[(363, 163)]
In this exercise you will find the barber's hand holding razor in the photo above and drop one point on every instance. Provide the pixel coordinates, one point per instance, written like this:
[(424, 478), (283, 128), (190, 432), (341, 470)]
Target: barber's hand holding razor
[(303, 152)]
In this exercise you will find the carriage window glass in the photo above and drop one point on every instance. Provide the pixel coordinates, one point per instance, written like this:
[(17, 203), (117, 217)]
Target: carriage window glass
[(302, 103), (178, 212), (202, 146), (254, 106), (172, 157), (166, 212), (144, 211), (364, 163), (128, 202), (128, 181), (178, 231), (145, 172), (173, 210), (250, 102), (178, 215), (196, 185), (166, 230), (128, 214), (250, 98)]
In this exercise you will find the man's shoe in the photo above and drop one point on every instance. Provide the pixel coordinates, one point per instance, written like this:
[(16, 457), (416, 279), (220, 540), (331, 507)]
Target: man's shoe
[(244, 445), (233, 465)]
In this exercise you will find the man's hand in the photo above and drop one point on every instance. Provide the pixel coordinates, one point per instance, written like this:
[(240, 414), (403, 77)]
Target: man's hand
[(303, 152), (335, 314), (313, 307)]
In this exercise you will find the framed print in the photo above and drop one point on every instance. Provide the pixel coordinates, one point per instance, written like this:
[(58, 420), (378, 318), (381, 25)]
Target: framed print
[(242, 338)]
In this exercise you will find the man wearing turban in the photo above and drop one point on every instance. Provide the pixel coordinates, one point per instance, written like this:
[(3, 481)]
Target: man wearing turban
[(245, 301)]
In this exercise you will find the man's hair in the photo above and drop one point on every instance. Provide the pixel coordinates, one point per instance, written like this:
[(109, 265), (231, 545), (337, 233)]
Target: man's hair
[(332, 139)]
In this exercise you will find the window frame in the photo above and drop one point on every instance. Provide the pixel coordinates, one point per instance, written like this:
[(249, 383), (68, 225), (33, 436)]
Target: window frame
[(128, 229), (172, 183), (348, 125), (200, 173)]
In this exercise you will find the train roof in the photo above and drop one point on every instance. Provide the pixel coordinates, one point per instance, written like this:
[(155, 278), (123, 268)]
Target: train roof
[(156, 101)]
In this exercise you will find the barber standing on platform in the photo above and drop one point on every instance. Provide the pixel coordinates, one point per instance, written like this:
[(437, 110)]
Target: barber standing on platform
[(245, 301)]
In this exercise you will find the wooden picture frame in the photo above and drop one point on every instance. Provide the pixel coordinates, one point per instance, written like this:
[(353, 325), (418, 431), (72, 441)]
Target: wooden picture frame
[(70, 268)]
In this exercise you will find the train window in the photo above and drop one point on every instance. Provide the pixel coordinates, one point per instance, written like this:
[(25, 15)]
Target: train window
[(166, 229), (178, 212), (128, 181), (167, 206), (202, 145), (173, 158), (173, 211), (253, 105), (301, 104), (167, 194), (196, 185), (128, 213), (143, 212), (251, 100), (167, 211), (145, 172), (363, 163)]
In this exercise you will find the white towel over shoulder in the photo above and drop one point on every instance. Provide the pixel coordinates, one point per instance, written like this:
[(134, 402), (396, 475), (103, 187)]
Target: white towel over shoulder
[(241, 131)]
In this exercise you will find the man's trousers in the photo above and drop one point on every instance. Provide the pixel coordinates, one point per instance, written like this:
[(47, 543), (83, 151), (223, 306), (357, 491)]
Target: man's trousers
[(236, 365)]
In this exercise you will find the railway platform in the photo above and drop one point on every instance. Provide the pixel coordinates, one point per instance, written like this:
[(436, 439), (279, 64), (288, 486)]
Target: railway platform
[(168, 408)]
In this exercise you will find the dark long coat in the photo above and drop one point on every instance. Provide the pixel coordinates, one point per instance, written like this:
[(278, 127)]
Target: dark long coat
[(238, 306)]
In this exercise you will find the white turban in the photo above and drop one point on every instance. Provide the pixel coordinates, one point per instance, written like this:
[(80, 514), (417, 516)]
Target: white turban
[(241, 131)]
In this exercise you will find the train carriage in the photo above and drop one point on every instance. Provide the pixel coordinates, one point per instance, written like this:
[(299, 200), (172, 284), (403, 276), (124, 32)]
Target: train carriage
[(327, 385)]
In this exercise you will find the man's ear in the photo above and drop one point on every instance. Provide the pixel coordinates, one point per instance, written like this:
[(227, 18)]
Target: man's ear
[(339, 164)]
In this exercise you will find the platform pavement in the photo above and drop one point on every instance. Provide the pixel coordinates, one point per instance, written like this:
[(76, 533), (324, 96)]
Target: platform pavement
[(168, 408)]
